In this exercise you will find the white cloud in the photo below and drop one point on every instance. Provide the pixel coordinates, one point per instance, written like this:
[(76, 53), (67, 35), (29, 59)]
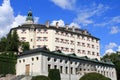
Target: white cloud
[(118, 48), (114, 30), (6, 16), (111, 48), (60, 23), (36, 19), (115, 19), (8, 20), (109, 22), (84, 15), (109, 51), (74, 24), (111, 45), (19, 19), (65, 4)]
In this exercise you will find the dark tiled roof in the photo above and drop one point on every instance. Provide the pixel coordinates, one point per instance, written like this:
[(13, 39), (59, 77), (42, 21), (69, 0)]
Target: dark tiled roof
[(37, 26), (71, 56)]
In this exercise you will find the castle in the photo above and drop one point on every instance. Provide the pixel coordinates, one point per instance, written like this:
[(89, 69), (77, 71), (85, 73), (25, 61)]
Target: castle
[(73, 51)]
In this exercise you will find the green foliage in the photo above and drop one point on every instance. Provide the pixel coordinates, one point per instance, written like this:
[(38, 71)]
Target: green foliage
[(115, 58), (7, 63), (25, 46), (94, 76), (3, 44), (40, 77), (54, 74), (12, 41)]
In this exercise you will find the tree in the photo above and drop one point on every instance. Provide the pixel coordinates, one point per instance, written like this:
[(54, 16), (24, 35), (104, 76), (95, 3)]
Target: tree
[(40, 77), (115, 58), (3, 44), (13, 42), (25, 46), (94, 76), (7, 63), (54, 74)]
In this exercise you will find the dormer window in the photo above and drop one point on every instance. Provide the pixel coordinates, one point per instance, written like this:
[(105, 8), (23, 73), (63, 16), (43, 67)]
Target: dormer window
[(23, 31)]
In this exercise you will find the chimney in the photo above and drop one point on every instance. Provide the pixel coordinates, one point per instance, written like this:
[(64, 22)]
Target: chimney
[(73, 28), (47, 24), (66, 26), (85, 32), (57, 24)]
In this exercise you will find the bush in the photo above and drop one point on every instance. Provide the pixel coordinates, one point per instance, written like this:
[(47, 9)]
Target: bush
[(40, 77), (54, 74), (94, 76)]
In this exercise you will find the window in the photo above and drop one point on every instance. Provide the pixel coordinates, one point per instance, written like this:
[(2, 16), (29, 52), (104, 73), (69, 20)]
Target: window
[(23, 31), (56, 39), (80, 69), (97, 54), (61, 69), (78, 43), (45, 39), (71, 62), (93, 53), (72, 42), (45, 31), (39, 38), (79, 51), (83, 51), (37, 58), (23, 38), (19, 61), (56, 47), (31, 40), (76, 70), (38, 46), (38, 30), (60, 60), (72, 50), (66, 70), (83, 44), (61, 40), (48, 58), (55, 66), (49, 66), (71, 70), (66, 61), (55, 60), (23, 60), (88, 52), (93, 46), (88, 45), (32, 59)]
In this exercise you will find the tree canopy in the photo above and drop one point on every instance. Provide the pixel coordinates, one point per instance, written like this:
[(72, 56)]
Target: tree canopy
[(54, 74), (115, 58), (40, 77), (94, 76)]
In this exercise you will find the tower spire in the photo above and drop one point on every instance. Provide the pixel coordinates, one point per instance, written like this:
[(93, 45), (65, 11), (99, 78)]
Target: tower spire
[(29, 19)]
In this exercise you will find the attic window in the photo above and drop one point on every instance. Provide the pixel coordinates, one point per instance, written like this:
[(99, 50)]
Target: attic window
[(55, 60), (19, 61), (48, 58), (23, 60), (37, 58), (32, 59)]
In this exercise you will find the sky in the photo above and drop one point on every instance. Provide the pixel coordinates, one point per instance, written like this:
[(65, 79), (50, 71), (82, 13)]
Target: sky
[(100, 17)]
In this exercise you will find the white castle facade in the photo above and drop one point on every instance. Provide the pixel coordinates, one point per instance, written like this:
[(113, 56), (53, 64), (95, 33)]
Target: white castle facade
[(39, 61), (73, 51), (68, 40)]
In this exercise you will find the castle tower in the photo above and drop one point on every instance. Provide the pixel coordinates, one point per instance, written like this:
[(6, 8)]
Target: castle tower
[(29, 19)]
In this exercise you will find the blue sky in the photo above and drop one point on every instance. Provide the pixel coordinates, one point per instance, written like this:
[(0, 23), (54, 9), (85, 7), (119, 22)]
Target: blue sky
[(100, 17)]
